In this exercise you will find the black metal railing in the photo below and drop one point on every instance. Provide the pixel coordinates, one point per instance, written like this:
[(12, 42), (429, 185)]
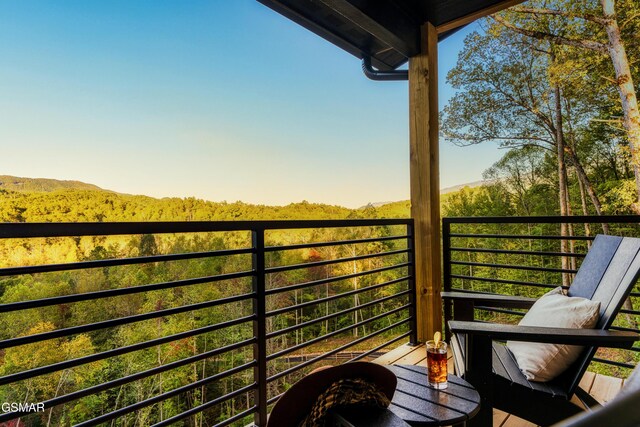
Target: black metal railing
[(523, 256), (155, 323)]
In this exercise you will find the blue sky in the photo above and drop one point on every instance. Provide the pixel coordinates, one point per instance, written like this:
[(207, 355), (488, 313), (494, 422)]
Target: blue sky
[(217, 99)]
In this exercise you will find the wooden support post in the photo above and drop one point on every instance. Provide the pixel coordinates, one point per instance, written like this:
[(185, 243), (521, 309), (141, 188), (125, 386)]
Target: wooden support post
[(425, 181)]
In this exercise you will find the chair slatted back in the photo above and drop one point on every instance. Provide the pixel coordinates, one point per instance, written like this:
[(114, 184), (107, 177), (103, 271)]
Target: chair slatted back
[(594, 266), (607, 274)]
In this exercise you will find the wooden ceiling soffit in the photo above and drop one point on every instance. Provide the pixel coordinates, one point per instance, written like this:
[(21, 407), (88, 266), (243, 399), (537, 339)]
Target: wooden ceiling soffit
[(387, 31), (383, 20), (367, 37), (473, 16)]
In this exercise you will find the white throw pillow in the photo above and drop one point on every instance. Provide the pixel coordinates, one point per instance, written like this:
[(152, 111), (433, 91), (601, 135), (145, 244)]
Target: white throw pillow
[(543, 362)]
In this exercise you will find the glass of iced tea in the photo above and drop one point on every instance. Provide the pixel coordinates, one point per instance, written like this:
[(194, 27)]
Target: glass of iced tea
[(437, 364)]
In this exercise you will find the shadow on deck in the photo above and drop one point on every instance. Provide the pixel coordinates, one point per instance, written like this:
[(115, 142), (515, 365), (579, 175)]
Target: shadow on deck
[(603, 388)]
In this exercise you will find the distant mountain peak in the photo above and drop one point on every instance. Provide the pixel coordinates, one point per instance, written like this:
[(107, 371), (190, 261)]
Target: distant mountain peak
[(42, 185), (461, 186), (442, 191)]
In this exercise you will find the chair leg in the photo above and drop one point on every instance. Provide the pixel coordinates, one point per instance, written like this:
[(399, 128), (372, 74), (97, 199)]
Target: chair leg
[(478, 373), (586, 399)]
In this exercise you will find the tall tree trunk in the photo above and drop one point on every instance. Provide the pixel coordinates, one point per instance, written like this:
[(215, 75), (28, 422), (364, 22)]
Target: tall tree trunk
[(626, 89), (583, 178), (356, 301), (572, 243), (204, 375), (571, 143), (295, 302), (585, 211), (616, 51), (562, 183)]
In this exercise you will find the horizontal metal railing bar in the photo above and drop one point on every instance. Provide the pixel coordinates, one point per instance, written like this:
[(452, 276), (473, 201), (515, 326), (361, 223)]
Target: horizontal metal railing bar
[(164, 396), (378, 347), (517, 252), (336, 350), (506, 281), (620, 328), (398, 338), (29, 339), (625, 311), (332, 315), (613, 362), (274, 399), (237, 417), (577, 219), (334, 279), (493, 293), (47, 268), (470, 291), (282, 268), (515, 267), (334, 243), (208, 404), (133, 377), (500, 310), (636, 349), (67, 364), (109, 293), (520, 236), (61, 229), (635, 294), (332, 297), (336, 332)]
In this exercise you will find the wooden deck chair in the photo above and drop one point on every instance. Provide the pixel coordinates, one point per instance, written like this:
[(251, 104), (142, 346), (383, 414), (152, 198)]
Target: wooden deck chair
[(607, 274)]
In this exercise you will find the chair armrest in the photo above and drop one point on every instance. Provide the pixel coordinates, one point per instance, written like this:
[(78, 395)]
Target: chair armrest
[(570, 336), (489, 300)]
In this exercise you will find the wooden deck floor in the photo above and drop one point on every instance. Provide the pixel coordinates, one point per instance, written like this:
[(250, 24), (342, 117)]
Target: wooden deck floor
[(602, 387)]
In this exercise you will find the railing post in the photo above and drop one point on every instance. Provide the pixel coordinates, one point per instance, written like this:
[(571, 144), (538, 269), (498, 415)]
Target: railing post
[(259, 326), (446, 273), (413, 338)]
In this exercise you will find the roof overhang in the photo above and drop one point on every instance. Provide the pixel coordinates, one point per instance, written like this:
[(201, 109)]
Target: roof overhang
[(388, 31)]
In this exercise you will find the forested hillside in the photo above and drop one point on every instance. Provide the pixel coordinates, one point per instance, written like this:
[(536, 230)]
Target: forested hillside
[(101, 206), (15, 183)]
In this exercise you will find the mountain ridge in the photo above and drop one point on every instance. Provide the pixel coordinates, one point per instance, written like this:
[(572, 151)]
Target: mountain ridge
[(49, 185), (43, 185)]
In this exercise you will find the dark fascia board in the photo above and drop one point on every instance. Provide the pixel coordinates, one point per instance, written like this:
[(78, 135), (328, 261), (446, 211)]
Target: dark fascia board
[(386, 31), (298, 17), (384, 21), (292, 10), (482, 9)]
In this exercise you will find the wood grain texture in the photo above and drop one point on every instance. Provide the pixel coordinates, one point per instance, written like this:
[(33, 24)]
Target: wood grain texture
[(425, 182), (605, 388), (514, 421), (398, 353), (499, 417), (466, 19)]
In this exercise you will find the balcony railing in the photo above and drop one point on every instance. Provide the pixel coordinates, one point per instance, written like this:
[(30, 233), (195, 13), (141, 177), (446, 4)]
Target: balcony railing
[(523, 256), (198, 322), (209, 322)]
